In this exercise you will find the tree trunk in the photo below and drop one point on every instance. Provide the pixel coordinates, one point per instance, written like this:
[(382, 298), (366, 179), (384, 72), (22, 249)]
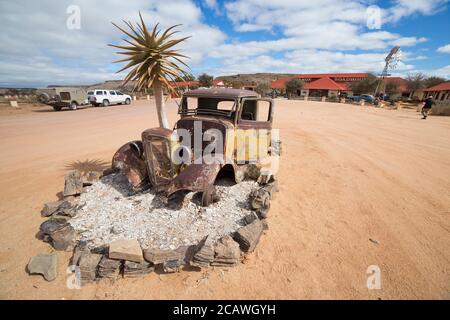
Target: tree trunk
[(160, 106)]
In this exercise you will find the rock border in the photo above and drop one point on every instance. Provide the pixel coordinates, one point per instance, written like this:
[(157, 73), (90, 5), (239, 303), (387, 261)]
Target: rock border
[(126, 258)]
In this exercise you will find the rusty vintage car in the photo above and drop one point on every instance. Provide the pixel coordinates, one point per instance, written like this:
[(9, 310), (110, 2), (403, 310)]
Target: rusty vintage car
[(239, 117)]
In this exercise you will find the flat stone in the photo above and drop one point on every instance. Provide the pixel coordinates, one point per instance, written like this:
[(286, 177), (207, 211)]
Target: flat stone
[(126, 250), (79, 249), (137, 269), (56, 217), (109, 268), (248, 236), (226, 252), (51, 225), (91, 177), (73, 200), (88, 265), (250, 218), (50, 208), (73, 183), (63, 238), (172, 266), (103, 249), (157, 256), (44, 264), (204, 253), (260, 198), (66, 208)]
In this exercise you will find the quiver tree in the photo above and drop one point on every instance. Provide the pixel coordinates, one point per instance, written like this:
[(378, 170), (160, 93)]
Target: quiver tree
[(153, 61)]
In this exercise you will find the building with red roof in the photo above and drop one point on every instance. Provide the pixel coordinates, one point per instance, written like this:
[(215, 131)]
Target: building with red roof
[(334, 84), (440, 92), (180, 84), (321, 84)]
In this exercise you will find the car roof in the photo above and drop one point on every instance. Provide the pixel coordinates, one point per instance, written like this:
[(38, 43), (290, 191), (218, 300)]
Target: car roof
[(226, 93)]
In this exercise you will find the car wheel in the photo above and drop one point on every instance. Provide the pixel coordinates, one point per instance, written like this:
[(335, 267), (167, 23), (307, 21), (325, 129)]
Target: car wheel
[(73, 106), (127, 101), (105, 103)]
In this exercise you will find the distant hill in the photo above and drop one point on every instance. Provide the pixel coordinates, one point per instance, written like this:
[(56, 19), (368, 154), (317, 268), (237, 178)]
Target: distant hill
[(254, 78), (247, 79)]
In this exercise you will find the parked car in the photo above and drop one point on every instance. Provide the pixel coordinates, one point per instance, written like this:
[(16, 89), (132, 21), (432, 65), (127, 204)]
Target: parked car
[(105, 97), (63, 97), (366, 97)]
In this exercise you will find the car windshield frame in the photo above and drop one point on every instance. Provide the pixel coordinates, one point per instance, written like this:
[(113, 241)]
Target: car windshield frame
[(184, 110)]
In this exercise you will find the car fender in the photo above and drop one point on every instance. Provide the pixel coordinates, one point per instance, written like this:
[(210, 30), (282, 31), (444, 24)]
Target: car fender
[(195, 177), (129, 161)]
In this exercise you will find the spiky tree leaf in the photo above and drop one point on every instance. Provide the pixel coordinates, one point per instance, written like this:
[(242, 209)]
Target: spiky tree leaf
[(150, 55)]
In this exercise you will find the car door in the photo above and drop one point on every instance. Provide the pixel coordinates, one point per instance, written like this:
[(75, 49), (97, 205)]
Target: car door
[(99, 96), (253, 133), (120, 97), (112, 97)]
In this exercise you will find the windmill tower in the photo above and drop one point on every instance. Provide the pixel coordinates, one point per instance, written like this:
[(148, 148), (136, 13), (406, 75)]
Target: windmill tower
[(392, 60)]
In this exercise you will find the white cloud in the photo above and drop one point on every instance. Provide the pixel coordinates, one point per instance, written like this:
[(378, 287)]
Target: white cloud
[(443, 72), (212, 4), (444, 49), (37, 48), (321, 24), (308, 61), (404, 8), (304, 36)]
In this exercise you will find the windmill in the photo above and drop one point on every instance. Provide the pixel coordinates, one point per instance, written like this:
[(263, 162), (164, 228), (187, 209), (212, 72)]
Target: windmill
[(392, 60)]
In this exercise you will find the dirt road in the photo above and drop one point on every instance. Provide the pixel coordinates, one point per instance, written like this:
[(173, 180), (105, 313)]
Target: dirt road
[(359, 186)]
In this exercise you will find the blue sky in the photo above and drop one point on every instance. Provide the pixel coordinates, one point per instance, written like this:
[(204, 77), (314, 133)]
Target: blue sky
[(228, 37)]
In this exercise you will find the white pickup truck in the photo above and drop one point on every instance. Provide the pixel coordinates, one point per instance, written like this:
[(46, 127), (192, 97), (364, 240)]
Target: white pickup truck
[(105, 97)]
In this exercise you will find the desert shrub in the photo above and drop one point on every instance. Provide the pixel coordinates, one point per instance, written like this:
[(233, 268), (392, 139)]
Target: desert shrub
[(293, 85), (365, 86), (263, 88), (205, 80)]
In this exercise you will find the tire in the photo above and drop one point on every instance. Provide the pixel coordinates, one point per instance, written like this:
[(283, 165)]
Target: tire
[(127, 101), (73, 105), (105, 103), (43, 97), (57, 108)]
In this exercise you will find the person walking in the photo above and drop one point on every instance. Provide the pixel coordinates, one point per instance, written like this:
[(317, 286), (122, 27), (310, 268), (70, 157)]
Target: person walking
[(427, 106)]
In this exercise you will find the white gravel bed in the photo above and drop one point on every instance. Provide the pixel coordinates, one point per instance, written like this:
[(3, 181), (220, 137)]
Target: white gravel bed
[(108, 212)]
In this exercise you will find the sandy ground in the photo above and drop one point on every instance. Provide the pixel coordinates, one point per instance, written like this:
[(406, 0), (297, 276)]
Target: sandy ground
[(348, 174)]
